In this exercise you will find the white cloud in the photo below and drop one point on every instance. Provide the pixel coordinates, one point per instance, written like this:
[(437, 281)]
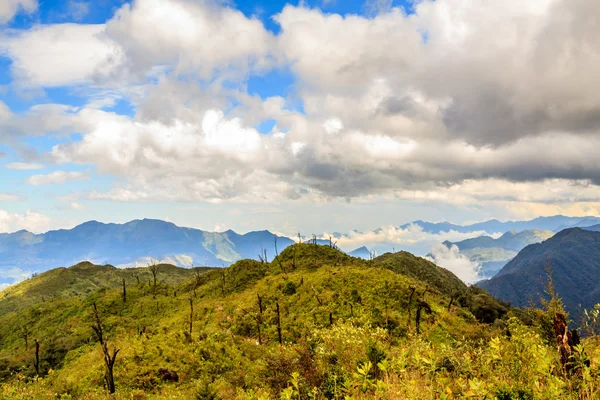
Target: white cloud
[(62, 54), (32, 221), (459, 103), (194, 37), (388, 237), (56, 177), (9, 8), (458, 264), (76, 206), (9, 197), (19, 166), (78, 9)]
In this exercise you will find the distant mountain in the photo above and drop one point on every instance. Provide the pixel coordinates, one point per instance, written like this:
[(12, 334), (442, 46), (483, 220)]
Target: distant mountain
[(493, 254), (575, 258), (22, 253), (362, 252), (554, 223), (595, 228)]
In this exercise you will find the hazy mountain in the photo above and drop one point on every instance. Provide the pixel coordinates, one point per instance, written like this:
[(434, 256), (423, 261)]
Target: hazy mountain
[(555, 224), (575, 258), (362, 252), (493, 254), (126, 244)]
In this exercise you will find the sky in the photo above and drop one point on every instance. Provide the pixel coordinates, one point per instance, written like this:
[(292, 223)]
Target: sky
[(313, 116)]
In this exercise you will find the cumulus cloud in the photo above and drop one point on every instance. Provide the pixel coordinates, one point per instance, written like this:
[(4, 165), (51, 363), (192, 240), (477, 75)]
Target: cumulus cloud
[(61, 54), (200, 38), (451, 259), (458, 102), (9, 8), (32, 221)]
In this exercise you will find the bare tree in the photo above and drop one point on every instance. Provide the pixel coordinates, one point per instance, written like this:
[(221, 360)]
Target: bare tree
[(24, 334), (191, 316), (197, 280), (223, 281), (154, 269), (263, 256), (109, 359), (259, 318), (36, 363), (124, 292), (277, 253)]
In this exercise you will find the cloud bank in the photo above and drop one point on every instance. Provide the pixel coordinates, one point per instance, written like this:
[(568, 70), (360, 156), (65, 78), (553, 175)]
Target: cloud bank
[(458, 102)]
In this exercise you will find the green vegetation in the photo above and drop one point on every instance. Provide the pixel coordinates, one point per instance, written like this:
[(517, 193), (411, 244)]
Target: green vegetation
[(81, 280), (312, 323)]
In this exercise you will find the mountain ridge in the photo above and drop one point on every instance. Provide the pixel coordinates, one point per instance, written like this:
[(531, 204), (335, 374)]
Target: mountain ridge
[(574, 256)]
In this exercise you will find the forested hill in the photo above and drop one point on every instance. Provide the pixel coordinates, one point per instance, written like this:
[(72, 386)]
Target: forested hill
[(574, 255)]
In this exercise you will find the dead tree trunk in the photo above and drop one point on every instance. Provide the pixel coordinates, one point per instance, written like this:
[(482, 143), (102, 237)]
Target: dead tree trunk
[(154, 270), (37, 358), (452, 298), (279, 324), (124, 292), (223, 282), (277, 254), (109, 359), (25, 336), (317, 296), (197, 281), (259, 319), (567, 342), (421, 305), (191, 316), (330, 319)]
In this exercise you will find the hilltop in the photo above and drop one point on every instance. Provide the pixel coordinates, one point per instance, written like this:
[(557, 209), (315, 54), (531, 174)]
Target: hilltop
[(83, 279)]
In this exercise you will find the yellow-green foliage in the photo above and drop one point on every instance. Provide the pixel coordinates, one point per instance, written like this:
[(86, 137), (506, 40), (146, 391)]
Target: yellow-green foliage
[(346, 335)]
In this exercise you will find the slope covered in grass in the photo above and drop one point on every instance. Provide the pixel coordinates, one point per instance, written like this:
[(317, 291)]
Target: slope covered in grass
[(81, 280), (347, 327)]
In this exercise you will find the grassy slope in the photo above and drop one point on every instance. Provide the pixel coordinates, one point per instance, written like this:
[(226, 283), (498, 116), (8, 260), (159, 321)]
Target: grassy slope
[(368, 308), (80, 280), (418, 268)]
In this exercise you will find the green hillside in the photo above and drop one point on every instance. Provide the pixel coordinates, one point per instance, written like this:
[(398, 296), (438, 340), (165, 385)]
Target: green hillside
[(313, 323), (81, 280)]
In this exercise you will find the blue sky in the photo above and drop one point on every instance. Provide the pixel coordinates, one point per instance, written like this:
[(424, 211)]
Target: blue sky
[(309, 116)]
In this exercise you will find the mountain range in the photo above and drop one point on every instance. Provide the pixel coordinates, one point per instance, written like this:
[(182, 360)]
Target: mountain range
[(493, 254), (574, 256), (139, 241), (554, 223)]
